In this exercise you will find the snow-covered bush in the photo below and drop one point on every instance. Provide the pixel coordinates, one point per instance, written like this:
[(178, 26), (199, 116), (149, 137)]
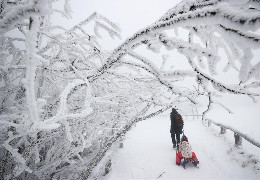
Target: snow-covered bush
[(65, 101)]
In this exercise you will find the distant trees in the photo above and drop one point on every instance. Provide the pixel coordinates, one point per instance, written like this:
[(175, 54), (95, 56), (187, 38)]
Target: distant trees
[(65, 102)]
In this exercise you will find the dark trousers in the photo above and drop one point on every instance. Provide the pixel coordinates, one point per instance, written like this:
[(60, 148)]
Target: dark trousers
[(177, 138)]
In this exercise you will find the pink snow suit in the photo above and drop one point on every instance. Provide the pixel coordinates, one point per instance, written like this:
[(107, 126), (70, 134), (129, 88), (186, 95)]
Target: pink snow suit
[(185, 149)]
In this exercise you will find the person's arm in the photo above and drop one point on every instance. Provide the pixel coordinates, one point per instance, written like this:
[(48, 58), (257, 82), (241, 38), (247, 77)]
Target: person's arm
[(172, 121)]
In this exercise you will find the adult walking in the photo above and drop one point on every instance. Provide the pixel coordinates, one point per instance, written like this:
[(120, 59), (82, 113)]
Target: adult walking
[(176, 127)]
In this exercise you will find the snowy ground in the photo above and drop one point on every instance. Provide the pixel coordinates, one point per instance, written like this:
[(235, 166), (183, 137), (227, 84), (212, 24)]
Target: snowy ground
[(148, 154)]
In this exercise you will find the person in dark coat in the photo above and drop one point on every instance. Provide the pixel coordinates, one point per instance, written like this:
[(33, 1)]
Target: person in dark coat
[(176, 127)]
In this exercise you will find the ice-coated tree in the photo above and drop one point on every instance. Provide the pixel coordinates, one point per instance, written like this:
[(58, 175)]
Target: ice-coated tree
[(66, 102), (53, 120)]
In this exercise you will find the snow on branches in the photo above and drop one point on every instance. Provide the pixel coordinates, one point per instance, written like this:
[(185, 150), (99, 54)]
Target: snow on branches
[(219, 24)]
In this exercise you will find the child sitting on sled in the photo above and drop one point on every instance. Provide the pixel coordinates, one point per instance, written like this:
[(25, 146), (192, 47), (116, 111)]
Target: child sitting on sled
[(185, 154)]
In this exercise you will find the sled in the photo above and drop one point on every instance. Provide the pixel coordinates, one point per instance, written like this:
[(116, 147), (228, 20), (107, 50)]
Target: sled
[(187, 160)]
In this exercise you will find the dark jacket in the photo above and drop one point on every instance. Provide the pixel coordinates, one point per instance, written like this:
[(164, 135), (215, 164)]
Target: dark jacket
[(176, 122)]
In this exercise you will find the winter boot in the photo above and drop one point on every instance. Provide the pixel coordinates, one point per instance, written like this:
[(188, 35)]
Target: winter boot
[(184, 163), (196, 164)]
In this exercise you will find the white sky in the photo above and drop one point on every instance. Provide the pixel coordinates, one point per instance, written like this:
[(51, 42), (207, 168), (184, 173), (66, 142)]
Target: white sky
[(130, 15)]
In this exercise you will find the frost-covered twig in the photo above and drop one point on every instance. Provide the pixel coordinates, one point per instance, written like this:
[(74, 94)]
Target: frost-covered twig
[(208, 108), (158, 75), (219, 86)]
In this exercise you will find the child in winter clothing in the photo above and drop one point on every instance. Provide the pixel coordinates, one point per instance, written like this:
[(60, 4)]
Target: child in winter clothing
[(185, 152)]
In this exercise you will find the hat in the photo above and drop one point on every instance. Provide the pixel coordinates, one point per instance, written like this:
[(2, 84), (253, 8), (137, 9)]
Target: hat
[(184, 138)]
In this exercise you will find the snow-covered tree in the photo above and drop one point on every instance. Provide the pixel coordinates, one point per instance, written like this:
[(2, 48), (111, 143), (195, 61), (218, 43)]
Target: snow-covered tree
[(52, 119), (66, 102), (212, 26)]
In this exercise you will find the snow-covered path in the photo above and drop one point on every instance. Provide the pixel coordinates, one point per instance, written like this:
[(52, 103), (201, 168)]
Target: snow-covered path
[(148, 153)]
